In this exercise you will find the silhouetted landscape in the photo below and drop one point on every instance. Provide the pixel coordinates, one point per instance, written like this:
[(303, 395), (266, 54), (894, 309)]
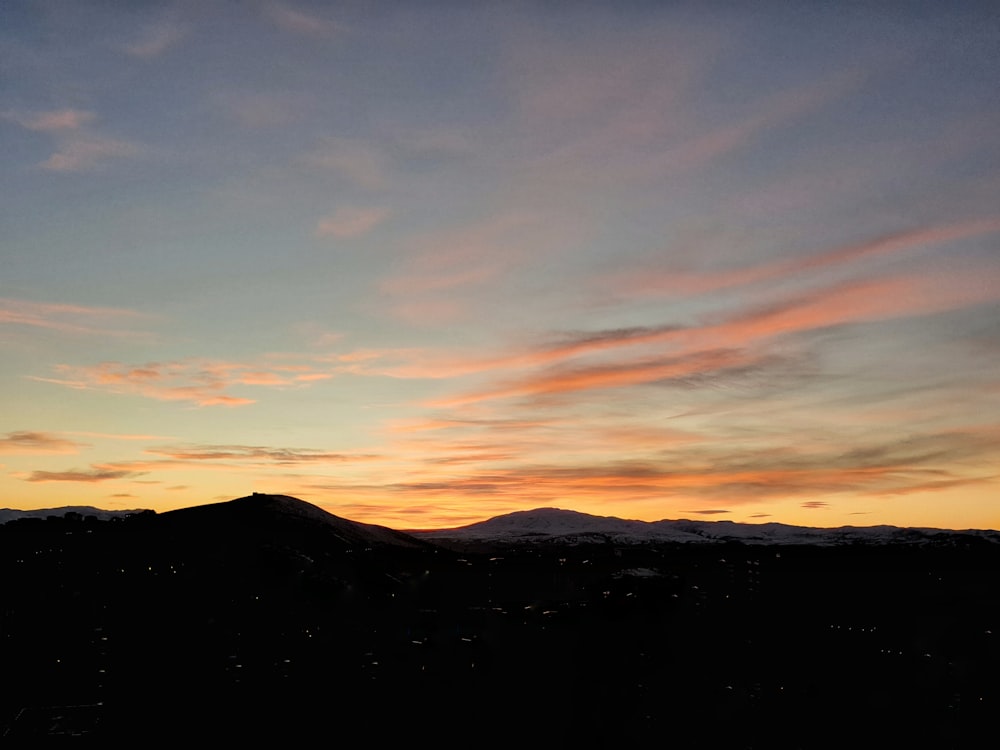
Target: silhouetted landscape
[(267, 618)]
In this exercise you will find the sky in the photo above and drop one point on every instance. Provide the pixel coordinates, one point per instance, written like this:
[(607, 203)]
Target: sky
[(426, 263)]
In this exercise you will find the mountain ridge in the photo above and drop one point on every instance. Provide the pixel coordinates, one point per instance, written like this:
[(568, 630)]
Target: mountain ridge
[(557, 524), (538, 525), (103, 514)]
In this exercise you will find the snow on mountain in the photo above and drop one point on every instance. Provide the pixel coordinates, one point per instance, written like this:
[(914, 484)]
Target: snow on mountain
[(554, 524)]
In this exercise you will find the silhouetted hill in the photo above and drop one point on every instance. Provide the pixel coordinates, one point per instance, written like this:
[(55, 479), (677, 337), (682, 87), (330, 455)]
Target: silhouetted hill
[(276, 518)]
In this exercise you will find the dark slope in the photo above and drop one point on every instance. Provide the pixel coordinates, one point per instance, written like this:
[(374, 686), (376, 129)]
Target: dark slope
[(222, 621), (281, 518)]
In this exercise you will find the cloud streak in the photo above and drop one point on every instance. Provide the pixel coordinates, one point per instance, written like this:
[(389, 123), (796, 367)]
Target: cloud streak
[(67, 318), (195, 381), (86, 476), (351, 221), (53, 120), (676, 281), (156, 40), (29, 443), (300, 22), (256, 454), (714, 346)]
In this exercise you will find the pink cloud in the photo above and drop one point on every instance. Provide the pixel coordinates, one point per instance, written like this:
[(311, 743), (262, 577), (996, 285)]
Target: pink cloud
[(674, 281), (65, 318), (300, 22), (81, 153), (857, 302), (78, 148), (199, 382), (55, 120), (713, 345)]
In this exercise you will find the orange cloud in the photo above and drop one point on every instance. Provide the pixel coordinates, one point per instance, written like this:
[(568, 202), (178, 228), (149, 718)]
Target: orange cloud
[(610, 376), (851, 302)]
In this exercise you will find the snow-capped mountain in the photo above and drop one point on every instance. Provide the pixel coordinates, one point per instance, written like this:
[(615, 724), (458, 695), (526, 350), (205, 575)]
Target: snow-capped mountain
[(567, 526)]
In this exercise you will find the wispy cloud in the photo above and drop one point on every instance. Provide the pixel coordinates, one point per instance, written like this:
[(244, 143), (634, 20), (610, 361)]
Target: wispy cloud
[(53, 120), (700, 472), (603, 120), (199, 382), (675, 281), (84, 152), (77, 147), (300, 22), (96, 473), (256, 454), (68, 318), (351, 221), (156, 39), (365, 165), (719, 343), (28, 443), (445, 271), (574, 379)]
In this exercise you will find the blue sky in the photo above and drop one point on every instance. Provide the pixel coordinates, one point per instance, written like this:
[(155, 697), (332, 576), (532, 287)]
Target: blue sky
[(421, 264)]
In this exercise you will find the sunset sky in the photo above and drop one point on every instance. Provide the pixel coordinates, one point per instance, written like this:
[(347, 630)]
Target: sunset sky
[(425, 263)]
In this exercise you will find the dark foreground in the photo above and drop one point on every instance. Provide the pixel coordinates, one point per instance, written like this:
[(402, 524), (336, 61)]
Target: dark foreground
[(250, 627)]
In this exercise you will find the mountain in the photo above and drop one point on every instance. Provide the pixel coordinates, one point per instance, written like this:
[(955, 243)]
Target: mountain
[(278, 517), (554, 525), (10, 514)]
